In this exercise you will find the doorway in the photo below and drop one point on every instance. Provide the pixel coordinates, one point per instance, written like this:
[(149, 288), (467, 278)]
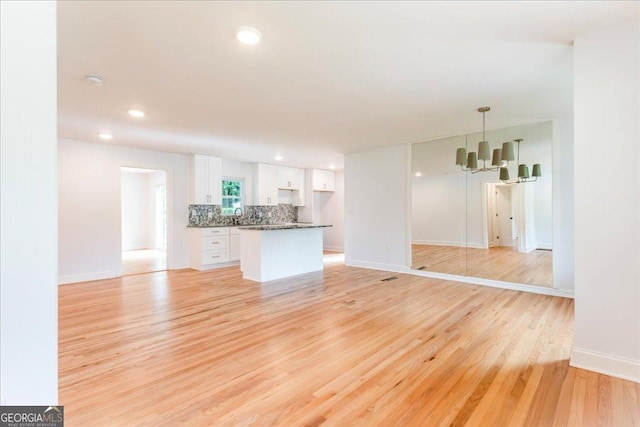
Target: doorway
[(501, 227), (144, 220)]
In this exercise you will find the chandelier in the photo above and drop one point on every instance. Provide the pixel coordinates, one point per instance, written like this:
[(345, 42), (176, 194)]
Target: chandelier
[(500, 158)]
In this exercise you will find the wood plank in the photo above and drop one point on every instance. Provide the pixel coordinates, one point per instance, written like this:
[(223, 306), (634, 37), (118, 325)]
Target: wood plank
[(329, 348)]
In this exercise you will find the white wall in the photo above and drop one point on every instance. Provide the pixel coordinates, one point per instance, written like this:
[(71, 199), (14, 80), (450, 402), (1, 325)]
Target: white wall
[(607, 205), (89, 207), (28, 219), (135, 211), (377, 194)]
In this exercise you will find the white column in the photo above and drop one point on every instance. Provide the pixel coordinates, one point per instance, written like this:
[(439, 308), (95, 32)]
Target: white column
[(607, 202), (29, 211)]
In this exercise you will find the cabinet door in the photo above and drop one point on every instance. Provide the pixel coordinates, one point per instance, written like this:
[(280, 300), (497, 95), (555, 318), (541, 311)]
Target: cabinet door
[(285, 177), (324, 180), (215, 180), (266, 185), (300, 194), (234, 247), (207, 180), (201, 180)]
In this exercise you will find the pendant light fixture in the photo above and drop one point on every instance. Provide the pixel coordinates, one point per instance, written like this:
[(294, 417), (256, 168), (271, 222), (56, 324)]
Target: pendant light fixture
[(523, 171), (500, 159)]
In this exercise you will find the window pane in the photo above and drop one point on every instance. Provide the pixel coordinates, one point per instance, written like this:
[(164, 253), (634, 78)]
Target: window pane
[(232, 188)]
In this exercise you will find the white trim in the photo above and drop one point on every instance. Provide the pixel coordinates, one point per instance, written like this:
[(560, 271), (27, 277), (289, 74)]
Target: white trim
[(607, 364), (180, 266), (446, 243), (334, 248), (533, 289), (206, 267), (545, 246), (86, 277), (377, 266)]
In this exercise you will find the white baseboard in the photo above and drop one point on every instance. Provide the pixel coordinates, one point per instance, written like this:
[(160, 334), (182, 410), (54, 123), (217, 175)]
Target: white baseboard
[(607, 364), (534, 289), (377, 266), (179, 266), (445, 243), (545, 246), (334, 248), (86, 277)]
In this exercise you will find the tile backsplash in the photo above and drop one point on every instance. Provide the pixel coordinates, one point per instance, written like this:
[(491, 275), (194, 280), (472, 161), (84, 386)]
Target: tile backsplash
[(211, 215)]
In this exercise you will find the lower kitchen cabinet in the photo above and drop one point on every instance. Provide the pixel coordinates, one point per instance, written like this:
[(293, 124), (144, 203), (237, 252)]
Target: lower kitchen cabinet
[(234, 244), (214, 247)]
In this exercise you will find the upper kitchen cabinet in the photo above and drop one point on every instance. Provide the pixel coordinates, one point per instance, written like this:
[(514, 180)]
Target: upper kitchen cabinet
[(324, 180), (289, 178), (207, 180), (298, 197), (265, 184)]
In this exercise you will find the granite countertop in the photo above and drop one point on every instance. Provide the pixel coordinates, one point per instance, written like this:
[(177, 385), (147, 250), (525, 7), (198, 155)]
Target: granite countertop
[(222, 225), (283, 227), (268, 226)]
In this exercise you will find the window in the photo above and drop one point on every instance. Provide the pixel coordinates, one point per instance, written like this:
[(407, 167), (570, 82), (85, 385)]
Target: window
[(232, 195)]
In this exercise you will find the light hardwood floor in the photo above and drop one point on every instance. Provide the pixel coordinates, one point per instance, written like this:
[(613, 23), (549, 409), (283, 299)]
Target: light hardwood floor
[(339, 347), (143, 261), (498, 263)]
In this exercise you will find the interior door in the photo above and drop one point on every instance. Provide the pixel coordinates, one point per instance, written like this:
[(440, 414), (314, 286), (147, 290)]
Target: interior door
[(504, 217)]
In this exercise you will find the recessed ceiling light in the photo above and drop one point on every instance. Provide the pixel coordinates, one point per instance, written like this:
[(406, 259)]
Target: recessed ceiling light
[(136, 113), (248, 35), (332, 166), (94, 79), (278, 158), (103, 135), (418, 173)]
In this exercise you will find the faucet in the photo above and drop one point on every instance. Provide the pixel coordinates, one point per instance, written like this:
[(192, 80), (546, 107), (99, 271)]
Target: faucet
[(236, 217)]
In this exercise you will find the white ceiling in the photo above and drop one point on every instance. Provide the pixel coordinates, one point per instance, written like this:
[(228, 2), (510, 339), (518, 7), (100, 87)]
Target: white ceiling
[(328, 78)]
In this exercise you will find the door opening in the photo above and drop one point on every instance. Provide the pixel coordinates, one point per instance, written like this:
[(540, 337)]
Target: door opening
[(143, 220)]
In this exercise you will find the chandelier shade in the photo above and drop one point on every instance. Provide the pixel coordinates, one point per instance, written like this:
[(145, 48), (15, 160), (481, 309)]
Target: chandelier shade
[(497, 157), (504, 174), (507, 151), (484, 152), (461, 157), (523, 171), (472, 160), (537, 172)]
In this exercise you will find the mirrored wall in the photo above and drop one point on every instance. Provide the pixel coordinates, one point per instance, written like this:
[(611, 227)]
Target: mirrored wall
[(472, 223)]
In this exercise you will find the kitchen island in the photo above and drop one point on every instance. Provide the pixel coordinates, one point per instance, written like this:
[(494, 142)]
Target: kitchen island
[(270, 252)]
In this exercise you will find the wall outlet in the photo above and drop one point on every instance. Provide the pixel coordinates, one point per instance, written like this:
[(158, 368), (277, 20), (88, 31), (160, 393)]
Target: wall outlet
[(269, 214), (259, 214)]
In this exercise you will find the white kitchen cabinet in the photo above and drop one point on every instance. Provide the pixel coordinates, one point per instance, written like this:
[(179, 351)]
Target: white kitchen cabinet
[(208, 247), (324, 180), (265, 184), (288, 178), (207, 180), (299, 196), (234, 244)]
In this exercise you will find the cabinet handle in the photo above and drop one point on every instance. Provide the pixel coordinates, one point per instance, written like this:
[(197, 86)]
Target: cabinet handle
[(215, 243), (216, 256)]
